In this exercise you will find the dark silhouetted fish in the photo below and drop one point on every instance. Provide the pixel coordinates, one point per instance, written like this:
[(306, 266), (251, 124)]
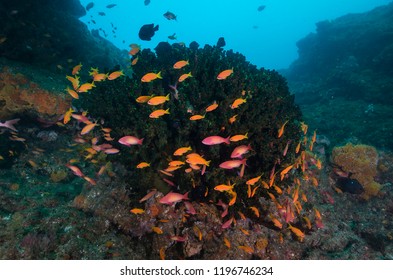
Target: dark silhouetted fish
[(89, 6), (110, 6), (261, 8), (168, 15), (147, 31), (147, 2), (349, 185), (221, 42), (172, 37), (101, 14)]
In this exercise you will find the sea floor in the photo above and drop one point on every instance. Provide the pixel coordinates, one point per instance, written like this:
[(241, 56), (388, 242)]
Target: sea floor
[(48, 213)]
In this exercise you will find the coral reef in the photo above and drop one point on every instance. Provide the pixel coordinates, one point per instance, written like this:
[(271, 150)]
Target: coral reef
[(19, 96), (361, 162)]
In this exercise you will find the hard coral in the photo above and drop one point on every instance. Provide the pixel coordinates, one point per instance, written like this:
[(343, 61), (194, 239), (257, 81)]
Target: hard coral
[(361, 161), (20, 96)]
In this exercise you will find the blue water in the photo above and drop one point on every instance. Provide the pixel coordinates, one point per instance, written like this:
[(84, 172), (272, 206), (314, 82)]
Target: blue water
[(267, 38)]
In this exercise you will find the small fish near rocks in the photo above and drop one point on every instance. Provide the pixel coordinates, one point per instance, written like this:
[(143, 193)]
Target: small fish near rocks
[(349, 185)]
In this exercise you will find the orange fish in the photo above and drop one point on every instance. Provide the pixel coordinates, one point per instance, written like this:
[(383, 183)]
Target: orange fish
[(157, 100), (224, 74), (176, 163), (276, 222), (297, 232), (72, 93), (134, 61), (304, 127), (227, 243), (143, 165), (182, 151), (223, 187), (151, 77), (99, 77), (94, 71), (172, 168), (76, 69), (211, 107), (184, 76), (255, 210), (253, 180), (298, 147), (67, 116), (74, 81), (90, 180), (198, 232), (85, 87), (246, 249), (285, 171), (137, 211), (196, 159), (143, 98), (237, 103), (162, 253), (180, 64), (158, 113), (281, 130), (318, 164), (115, 75), (134, 49), (254, 191), (308, 222), (238, 137), (233, 199), (88, 128), (197, 117), (157, 230), (232, 119), (314, 137)]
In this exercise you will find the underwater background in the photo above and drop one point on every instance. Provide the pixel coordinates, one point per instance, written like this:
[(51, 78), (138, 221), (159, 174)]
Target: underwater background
[(204, 130)]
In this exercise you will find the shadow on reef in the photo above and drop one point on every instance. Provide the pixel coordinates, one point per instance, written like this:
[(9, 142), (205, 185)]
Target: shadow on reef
[(343, 78)]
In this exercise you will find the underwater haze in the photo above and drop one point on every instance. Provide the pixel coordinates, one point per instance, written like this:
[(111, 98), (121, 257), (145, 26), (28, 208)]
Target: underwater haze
[(267, 38)]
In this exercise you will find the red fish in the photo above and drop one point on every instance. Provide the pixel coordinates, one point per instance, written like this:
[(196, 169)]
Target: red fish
[(239, 151), (10, 124), (75, 170), (130, 140), (227, 224), (230, 164), (173, 197), (215, 140)]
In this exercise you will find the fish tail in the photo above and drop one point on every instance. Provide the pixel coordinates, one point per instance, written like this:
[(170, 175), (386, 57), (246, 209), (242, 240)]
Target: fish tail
[(159, 75), (140, 141)]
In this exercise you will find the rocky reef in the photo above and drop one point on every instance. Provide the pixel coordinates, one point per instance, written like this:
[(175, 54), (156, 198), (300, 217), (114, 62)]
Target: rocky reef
[(343, 78), (57, 42)]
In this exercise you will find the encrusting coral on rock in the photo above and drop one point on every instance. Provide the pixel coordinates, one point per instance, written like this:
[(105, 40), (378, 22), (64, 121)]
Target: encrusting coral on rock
[(361, 162)]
